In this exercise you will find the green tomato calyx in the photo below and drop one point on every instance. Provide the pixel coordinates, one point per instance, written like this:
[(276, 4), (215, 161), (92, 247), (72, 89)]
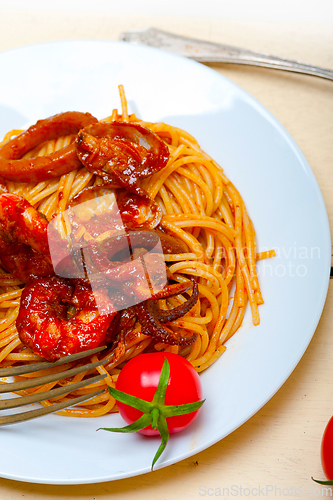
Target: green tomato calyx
[(155, 412), (322, 482)]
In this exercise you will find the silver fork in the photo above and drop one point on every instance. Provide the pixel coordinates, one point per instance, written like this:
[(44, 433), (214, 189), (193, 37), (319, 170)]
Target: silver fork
[(209, 52), (43, 396)]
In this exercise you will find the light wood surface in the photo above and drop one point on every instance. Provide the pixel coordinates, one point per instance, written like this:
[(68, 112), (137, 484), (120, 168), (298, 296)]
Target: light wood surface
[(278, 449)]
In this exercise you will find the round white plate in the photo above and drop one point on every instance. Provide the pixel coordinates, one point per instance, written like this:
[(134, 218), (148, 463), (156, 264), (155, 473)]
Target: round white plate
[(283, 200)]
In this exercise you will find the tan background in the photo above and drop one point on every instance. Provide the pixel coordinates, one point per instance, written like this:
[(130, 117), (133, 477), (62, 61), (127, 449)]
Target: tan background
[(279, 447)]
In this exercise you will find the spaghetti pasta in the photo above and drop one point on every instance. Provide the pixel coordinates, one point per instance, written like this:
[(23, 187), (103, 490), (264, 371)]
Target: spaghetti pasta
[(199, 206)]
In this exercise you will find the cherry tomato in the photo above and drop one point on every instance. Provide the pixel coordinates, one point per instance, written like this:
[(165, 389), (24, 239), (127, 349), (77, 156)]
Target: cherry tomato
[(327, 450), (140, 378)]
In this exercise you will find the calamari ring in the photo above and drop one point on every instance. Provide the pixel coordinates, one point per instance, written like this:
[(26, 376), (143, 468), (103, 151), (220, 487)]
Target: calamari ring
[(14, 168)]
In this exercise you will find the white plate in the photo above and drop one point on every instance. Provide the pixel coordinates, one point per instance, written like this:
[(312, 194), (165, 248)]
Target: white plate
[(283, 200)]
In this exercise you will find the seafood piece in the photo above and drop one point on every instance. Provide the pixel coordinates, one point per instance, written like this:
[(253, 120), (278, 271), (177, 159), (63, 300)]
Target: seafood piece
[(133, 264), (121, 153), (15, 168), (138, 212), (142, 238), (46, 323), (24, 249), (151, 317), (171, 244), (106, 227), (135, 211), (134, 273), (175, 289), (22, 222), (127, 211), (23, 262), (98, 243)]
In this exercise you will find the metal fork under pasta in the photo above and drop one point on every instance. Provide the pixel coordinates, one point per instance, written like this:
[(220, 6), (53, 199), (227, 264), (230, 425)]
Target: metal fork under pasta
[(20, 401)]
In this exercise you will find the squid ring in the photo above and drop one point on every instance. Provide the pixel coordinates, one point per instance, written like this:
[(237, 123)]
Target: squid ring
[(15, 168)]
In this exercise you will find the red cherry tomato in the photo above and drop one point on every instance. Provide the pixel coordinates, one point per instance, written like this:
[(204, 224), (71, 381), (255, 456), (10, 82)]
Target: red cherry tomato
[(140, 378), (327, 450)]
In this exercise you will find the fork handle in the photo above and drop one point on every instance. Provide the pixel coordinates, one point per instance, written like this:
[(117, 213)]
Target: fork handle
[(209, 52)]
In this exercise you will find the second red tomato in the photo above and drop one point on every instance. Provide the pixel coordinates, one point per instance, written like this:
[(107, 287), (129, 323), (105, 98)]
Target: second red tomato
[(327, 450)]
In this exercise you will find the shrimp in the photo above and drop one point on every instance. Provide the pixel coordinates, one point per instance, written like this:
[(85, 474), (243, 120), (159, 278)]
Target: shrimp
[(15, 168), (24, 248), (121, 153), (46, 323)]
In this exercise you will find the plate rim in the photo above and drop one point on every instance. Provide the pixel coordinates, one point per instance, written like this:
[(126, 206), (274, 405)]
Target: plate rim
[(291, 143)]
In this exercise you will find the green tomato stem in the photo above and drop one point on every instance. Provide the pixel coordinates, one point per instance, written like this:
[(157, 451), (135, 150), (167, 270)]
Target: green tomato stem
[(155, 414), (164, 432)]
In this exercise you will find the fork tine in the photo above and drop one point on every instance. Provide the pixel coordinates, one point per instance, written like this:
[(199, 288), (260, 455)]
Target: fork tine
[(20, 370), (28, 415), (42, 396), (28, 384)]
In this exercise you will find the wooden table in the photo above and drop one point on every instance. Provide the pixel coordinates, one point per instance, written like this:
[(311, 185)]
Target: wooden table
[(277, 451)]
